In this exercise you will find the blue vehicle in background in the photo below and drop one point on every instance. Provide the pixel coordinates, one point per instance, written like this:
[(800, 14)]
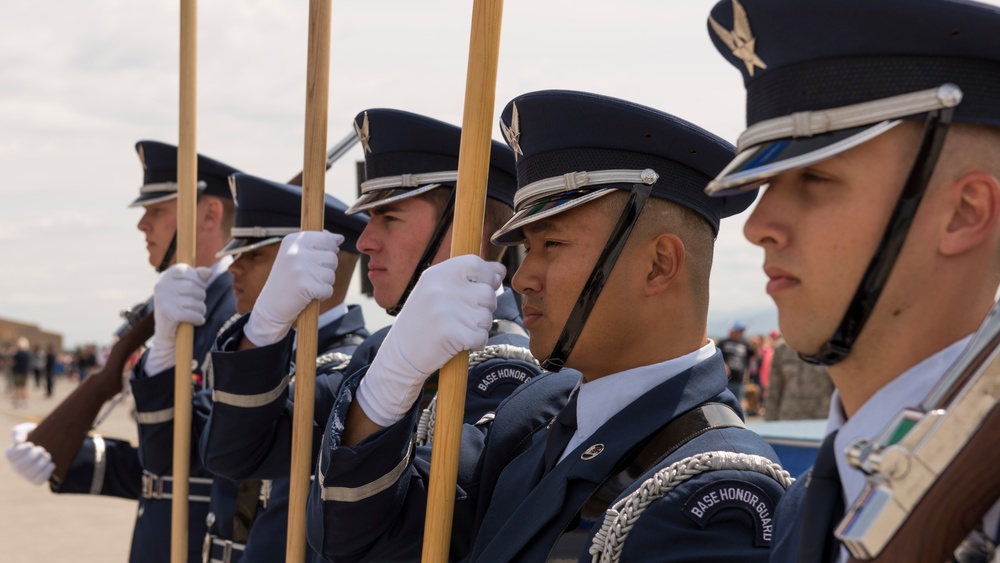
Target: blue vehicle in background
[(795, 441)]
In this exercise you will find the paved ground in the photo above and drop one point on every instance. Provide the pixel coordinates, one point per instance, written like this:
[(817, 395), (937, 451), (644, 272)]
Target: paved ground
[(39, 526)]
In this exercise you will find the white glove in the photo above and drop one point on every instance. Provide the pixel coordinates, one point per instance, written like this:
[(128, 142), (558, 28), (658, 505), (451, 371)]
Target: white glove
[(450, 310), (303, 271), (31, 462), (178, 297)]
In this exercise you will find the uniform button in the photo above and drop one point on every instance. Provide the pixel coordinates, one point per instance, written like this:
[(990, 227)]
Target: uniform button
[(210, 519)]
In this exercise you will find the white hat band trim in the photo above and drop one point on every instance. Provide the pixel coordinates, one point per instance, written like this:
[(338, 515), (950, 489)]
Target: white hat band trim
[(166, 187), (408, 180), (576, 180), (262, 232), (809, 123)]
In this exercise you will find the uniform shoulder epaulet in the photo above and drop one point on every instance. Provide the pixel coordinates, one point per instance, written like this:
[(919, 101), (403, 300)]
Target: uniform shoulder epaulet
[(337, 359), (622, 516)]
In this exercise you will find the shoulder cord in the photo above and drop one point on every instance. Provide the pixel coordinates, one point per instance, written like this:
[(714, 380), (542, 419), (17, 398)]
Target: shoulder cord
[(425, 426), (621, 517)]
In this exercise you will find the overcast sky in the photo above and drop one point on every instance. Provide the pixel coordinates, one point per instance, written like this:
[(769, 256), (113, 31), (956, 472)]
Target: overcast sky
[(81, 82)]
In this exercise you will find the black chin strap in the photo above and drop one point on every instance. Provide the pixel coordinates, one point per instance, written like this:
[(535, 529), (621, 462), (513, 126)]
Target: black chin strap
[(873, 282), (429, 253), (168, 256), (598, 276)]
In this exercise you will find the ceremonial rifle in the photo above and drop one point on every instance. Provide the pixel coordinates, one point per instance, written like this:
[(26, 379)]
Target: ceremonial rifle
[(932, 473), (467, 235), (63, 430)]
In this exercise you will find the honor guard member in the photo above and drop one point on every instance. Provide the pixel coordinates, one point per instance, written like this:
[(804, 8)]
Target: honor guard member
[(248, 415), (875, 128), (615, 285), (411, 164), (200, 295)]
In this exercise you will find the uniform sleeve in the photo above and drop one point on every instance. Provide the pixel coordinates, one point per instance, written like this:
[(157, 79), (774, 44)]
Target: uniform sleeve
[(368, 502), (154, 405), (249, 429), (715, 516), (491, 382), (104, 466)]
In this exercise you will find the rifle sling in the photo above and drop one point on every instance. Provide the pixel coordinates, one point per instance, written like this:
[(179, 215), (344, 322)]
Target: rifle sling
[(655, 449)]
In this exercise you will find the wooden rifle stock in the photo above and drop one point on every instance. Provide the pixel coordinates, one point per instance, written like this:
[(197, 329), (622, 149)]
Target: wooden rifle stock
[(954, 504), (63, 430)]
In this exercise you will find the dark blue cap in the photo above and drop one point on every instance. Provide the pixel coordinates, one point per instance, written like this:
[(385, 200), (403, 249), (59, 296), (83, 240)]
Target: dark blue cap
[(407, 154), (823, 72), (573, 147), (159, 174), (267, 211)]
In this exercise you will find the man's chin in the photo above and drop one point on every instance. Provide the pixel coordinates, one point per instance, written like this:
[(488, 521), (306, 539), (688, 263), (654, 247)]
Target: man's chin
[(383, 301)]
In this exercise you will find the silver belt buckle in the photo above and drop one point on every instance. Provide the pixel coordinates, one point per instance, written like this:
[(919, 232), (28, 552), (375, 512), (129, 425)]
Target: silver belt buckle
[(152, 486), (206, 548), (227, 551), (265, 492), (147, 485)]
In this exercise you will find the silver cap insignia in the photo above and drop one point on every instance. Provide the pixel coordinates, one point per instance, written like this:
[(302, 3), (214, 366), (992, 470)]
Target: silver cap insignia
[(513, 133), (740, 40), (363, 134)]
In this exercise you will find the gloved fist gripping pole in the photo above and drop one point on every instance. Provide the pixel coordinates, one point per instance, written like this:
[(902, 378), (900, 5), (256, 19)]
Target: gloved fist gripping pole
[(303, 271), (450, 310)]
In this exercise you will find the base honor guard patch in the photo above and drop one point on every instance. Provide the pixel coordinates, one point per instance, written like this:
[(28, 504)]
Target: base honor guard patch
[(732, 494), (506, 373)]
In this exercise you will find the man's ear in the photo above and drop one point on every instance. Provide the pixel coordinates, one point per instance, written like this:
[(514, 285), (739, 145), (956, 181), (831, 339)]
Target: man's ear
[(209, 213), (975, 212), (666, 261)]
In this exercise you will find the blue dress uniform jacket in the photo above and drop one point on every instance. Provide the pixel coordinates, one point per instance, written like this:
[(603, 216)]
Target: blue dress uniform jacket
[(230, 427), (489, 383), (253, 440), (115, 468), (788, 523), (509, 509)]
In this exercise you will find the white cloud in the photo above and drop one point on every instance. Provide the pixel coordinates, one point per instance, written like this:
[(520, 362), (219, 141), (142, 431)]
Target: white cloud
[(83, 81)]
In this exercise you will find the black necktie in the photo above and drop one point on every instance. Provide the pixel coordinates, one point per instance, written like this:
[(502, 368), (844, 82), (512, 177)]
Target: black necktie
[(823, 508), (560, 432)]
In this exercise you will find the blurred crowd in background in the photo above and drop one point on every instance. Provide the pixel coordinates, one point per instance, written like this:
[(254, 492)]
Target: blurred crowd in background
[(26, 367), (764, 372), (770, 378)]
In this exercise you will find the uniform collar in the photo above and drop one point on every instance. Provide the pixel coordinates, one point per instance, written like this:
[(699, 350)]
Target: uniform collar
[(906, 391), (603, 398)]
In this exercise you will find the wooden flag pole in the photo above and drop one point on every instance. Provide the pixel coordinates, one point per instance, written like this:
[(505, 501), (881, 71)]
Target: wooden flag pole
[(467, 234), (313, 186), (187, 181)]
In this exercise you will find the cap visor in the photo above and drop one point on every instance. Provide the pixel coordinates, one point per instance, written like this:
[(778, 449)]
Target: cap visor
[(755, 165), (376, 198), (511, 233), (241, 245), (151, 198)]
